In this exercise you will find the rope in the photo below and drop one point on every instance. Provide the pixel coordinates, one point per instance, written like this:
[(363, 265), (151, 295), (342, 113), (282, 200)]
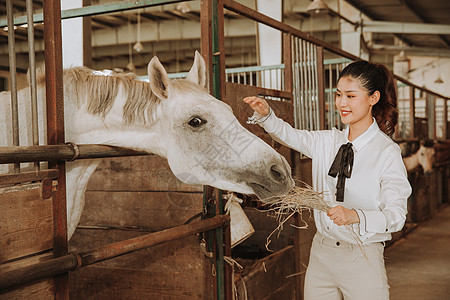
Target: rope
[(233, 263)]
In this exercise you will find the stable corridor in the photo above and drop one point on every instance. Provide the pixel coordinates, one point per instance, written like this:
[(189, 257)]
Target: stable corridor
[(418, 265)]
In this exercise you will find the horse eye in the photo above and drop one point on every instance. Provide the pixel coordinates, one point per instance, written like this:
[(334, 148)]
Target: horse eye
[(197, 122)]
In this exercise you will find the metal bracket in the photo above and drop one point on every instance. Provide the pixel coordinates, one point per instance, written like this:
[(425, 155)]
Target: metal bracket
[(47, 188)]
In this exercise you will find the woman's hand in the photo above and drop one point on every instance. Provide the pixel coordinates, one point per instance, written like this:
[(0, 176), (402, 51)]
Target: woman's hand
[(343, 216), (258, 104)]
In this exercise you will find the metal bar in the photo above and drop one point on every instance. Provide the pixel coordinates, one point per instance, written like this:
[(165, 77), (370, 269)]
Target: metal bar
[(12, 76), (253, 68), (223, 284), (295, 82), (330, 98), (259, 17), (445, 128), (321, 87), (66, 152), (32, 74), (300, 88), (270, 79), (73, 261), (55, 131), (95, 10), (309, 78), (22, 177), (412, 110), (315, 99)]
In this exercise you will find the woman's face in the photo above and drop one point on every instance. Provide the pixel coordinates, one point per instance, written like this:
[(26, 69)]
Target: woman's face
[(354, 103)]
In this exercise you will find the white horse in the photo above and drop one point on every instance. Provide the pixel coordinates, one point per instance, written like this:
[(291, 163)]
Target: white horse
[(177, 119), (424, 157)]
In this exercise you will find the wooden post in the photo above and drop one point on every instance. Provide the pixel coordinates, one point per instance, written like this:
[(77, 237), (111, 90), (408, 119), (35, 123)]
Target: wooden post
[(287, 59), (321, 87), (431, 115), (55, 130), (87, 38)]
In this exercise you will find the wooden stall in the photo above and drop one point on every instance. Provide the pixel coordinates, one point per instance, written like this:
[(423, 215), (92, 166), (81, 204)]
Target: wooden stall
[(141, 197), (127, 197)]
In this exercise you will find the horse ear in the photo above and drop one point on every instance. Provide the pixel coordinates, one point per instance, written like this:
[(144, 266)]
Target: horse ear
[(159, 81), (197, 74)]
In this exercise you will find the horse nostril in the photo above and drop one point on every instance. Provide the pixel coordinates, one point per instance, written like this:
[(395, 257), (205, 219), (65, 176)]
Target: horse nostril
[(277, 174)]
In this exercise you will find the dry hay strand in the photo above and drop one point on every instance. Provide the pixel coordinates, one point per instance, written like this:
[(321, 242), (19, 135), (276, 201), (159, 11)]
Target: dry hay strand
[(301, 197)]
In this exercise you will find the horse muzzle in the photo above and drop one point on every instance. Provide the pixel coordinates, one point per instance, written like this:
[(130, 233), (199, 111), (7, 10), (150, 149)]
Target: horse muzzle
[(273, 181)]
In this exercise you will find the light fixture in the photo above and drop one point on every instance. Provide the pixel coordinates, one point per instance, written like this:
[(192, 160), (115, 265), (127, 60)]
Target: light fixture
[(138, 46), (183, 7), (439, 80), (317, 7), (402, 57)]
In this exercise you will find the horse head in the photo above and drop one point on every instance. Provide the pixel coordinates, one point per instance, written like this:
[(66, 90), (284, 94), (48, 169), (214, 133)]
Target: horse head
[(426, 157), (205, 144)]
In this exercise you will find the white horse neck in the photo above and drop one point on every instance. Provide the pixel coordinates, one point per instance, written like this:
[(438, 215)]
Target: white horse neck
[(411, 162)]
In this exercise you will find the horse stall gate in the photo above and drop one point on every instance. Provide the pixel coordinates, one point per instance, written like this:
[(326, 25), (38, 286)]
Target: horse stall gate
[(35, 257)]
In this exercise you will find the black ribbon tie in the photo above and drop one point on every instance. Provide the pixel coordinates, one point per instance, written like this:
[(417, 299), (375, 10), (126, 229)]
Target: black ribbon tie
[(342, 167)]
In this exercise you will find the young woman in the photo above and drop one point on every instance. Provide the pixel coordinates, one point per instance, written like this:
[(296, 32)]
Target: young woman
[(361, 171)]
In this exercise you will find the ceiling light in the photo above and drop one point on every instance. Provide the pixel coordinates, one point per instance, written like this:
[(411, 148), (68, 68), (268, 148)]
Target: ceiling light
[(183, 7), (317, 7)]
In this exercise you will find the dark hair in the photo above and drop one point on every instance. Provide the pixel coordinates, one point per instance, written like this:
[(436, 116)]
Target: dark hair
[(377, 77)]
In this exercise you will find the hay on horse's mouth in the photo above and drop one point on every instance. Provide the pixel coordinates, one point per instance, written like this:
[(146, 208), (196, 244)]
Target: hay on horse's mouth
[(298, 199)]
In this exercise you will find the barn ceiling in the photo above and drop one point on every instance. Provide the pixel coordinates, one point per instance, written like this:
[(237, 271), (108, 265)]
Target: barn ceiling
[(173, 31), (411, 11)]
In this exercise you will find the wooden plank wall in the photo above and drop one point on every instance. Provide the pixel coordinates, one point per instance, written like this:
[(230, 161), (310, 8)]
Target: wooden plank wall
[(26, 236), (140, 193)]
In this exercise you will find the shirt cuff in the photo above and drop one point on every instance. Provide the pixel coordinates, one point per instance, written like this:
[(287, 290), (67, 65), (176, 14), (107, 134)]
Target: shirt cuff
[(371, 221), (258, 118)]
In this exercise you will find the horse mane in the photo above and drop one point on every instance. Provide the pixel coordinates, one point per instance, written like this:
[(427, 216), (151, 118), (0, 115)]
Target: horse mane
[(98, 93)]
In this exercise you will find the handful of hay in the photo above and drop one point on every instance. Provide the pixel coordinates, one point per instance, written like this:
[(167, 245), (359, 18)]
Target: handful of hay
[(298, 199)]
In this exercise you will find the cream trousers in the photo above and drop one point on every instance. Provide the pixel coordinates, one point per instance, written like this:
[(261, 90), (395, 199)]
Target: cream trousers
[(339, 270)]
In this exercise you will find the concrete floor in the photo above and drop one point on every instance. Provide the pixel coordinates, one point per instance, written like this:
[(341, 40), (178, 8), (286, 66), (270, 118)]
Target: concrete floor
[(418, 266)]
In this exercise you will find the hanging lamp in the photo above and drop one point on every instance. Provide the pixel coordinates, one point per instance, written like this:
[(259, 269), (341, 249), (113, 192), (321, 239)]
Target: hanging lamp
[(317, 7)]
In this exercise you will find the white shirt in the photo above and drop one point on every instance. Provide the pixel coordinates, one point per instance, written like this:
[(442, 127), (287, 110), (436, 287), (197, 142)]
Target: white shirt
[(378, 188)]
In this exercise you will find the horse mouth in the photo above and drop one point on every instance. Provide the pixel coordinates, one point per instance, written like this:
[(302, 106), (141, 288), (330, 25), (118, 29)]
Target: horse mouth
[(264, 194)]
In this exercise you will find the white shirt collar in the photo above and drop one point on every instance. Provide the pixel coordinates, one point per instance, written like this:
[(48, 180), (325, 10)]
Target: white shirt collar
[(364, 138)]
